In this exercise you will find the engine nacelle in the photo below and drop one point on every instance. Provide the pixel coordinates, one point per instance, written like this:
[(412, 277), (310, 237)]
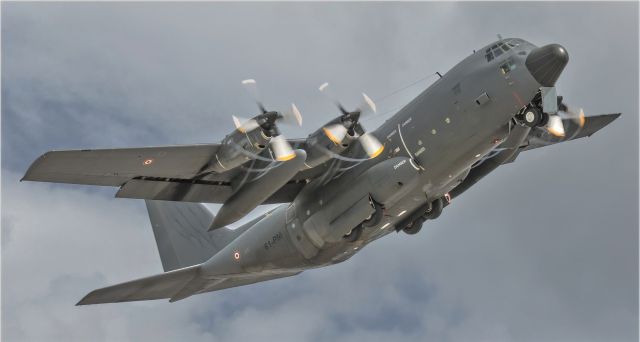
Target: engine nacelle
[(322, 148), (237, 148)]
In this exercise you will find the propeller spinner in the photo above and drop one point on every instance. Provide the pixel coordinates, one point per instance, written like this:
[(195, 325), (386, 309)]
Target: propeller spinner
[(349, 124)]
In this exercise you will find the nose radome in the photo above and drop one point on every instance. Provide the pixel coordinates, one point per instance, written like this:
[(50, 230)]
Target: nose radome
[(546, 63)]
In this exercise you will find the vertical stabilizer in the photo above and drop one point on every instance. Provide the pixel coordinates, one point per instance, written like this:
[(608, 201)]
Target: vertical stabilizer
[(180, 230)]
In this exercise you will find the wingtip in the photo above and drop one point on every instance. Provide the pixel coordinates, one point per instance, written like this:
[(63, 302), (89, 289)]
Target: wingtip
[(610, 118), (83, 301), (86, 300), (600, 121)]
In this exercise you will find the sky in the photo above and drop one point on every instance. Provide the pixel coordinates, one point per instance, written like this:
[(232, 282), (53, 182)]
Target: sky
[(543, 249)]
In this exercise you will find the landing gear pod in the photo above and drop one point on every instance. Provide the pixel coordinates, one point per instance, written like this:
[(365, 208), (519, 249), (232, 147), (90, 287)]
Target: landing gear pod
[(383, 185)]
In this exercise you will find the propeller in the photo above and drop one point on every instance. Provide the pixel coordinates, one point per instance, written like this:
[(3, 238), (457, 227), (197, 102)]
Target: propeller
[(557, 122), (267, 121), (282, 149), (348, 123)]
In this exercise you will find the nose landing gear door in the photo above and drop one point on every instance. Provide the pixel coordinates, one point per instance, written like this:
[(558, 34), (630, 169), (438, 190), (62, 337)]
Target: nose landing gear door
[(549, 100)]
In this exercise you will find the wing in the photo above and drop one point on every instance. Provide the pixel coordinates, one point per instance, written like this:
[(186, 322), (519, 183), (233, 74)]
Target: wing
[(173, 285), (536, 138), (540, 137), (114, 167), (170, 173)]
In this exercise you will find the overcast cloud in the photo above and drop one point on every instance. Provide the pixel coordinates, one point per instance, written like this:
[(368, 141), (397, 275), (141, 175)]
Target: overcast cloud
[(544, 249)]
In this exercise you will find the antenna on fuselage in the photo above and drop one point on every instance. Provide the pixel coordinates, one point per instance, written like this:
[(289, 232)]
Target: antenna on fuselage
[(499, 37)]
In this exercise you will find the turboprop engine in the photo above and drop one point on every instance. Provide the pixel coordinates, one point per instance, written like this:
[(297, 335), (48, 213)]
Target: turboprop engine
[(249, 139), (332, 139), (238, 148), (252, 136)]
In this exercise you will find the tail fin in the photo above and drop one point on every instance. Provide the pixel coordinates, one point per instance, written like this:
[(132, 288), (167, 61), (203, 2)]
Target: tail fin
[(180, 230)]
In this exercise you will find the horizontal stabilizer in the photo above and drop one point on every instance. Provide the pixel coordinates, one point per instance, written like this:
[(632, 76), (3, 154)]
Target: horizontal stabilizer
[(176, 285), (160, 286)]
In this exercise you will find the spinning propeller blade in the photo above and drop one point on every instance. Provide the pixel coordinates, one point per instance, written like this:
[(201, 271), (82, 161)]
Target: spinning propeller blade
[(349, 124), (292, 116), (556, 125), (252, 89), (369, 102), (365, 107), (244, 125), (282, 149), (335, 133), (371, 145), (267, 119)]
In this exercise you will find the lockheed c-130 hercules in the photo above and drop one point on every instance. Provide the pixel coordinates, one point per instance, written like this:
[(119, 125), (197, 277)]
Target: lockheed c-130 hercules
[(340, 188)]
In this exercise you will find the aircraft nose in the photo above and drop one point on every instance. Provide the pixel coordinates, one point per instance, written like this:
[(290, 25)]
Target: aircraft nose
[(546, 63)]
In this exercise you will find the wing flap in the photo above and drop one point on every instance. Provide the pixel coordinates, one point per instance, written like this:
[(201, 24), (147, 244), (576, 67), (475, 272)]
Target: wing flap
[(198, 191), (113, 167), (175, 191)]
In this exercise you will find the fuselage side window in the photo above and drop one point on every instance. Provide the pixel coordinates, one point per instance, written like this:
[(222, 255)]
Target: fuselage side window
[(507, 66)]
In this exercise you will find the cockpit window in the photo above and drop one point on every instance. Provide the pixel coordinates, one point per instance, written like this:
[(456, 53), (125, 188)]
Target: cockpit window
[(499, 48), (488, 55)]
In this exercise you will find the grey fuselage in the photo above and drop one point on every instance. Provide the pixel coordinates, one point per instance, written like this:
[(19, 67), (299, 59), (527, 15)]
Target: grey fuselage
[(430, 146)]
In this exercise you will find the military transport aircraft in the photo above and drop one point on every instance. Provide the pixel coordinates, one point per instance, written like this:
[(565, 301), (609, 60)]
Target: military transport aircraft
[(341, 188)]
